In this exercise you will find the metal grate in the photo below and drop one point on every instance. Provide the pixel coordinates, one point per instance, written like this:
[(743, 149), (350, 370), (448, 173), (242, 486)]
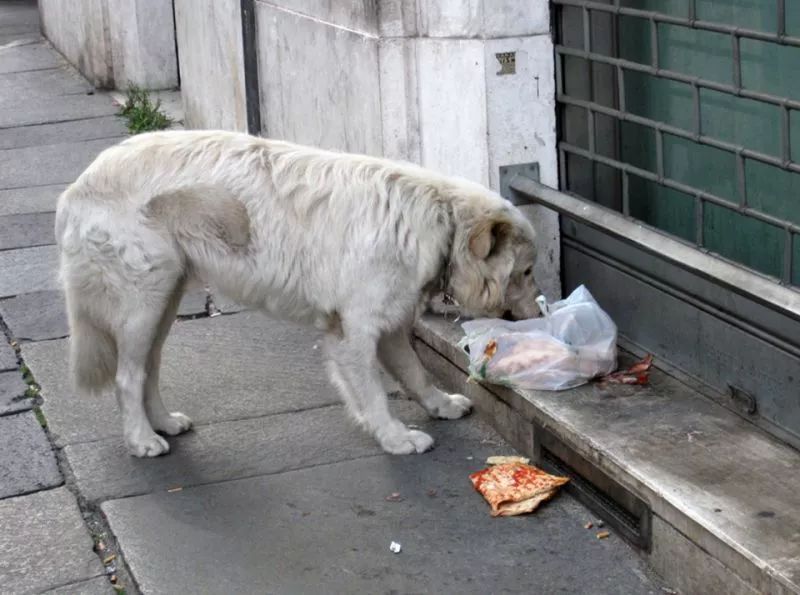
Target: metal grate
[(588, 54)]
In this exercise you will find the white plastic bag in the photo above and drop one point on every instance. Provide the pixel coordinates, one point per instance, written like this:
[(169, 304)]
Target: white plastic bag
[(573, 342)]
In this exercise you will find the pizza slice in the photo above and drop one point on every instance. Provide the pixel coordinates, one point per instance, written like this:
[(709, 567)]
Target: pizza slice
[(515, 488)]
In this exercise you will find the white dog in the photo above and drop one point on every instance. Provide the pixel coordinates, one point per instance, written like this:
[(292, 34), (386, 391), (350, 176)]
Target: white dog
[(353, 244)]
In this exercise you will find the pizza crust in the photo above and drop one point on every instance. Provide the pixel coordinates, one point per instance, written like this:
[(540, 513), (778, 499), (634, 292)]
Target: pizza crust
[(515, 488)]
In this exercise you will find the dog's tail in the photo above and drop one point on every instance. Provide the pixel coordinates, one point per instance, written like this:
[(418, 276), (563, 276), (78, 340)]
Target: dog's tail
[(92, 348), (92, 353)]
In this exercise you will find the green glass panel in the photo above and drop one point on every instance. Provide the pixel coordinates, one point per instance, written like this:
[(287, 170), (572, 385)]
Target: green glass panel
[(659, 99), (773, 191), (678, 8), (607, 184), (793, 18), (752, 124), (698, 53), (770, 68), (638, 146), (701, 167), (796, 261), (759, 15), (744, 239), (634, 39), (663, 208)]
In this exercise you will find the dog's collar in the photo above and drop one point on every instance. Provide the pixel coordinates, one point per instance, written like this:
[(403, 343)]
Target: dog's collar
[(447, 297), (444, 281)]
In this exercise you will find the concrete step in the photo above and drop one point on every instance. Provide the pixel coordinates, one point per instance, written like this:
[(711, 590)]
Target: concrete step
[(710, 500)]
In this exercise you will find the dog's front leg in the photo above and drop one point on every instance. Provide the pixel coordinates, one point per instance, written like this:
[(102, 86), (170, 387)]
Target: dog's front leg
[(353, 368), (400, 359)]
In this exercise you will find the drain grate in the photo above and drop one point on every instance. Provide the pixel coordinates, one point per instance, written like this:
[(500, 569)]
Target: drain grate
[(626, 513)]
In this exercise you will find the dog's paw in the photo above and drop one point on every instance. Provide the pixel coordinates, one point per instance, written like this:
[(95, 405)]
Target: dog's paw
[(172, 425), (450, 407), (148, 446), (403, 441)]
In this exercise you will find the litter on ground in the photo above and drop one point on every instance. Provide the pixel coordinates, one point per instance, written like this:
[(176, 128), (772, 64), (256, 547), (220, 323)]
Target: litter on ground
[(638, 373), (515, 488)]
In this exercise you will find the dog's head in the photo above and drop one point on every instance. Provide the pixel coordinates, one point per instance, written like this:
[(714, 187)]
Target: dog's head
[(491, 268)]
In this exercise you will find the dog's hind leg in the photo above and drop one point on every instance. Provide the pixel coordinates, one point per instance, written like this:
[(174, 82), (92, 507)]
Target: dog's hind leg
[(160, 418), (398, 356), (354, 372)]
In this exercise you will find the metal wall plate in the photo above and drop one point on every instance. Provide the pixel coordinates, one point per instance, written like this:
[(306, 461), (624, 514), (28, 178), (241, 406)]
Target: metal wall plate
[(507, 175)]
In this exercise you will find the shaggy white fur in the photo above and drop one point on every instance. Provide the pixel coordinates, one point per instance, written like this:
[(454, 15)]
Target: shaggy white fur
[(350, 243)]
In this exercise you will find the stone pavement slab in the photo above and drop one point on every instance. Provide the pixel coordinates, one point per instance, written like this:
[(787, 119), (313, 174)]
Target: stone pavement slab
[(95, 586), (18, 13), (43, 110), (193, 302), (18, 34), (27, 461), (51, 83), (214, 369), (26, 230), (35, 316), (238, 449), (28, 269), (21, 58), (35, 199), (63, 132), (328, 529), (49, 164), (44, 543), (42, 315), (12, 394), (8, 358)]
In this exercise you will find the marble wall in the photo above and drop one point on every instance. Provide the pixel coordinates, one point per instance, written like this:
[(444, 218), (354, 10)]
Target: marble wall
[(113, 42), (209, 34)]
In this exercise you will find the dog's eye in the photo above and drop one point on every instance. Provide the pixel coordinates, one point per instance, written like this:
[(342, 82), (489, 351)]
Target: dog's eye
[(528, 272)]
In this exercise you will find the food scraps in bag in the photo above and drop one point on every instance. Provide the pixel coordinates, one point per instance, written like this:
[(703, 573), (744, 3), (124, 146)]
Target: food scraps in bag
[(515, 488), (572, 343), (638, 373)]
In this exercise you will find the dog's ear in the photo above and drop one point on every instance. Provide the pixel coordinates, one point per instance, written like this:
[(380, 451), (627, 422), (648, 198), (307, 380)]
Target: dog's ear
[(488, 236)]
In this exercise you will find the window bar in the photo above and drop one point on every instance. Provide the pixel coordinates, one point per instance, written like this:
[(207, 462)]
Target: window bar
[(562, 169), (699, 219), (681, 78), (681, 133), (696, 105), (786, 148), (692, 23), (692, 11), (741, 181), (587, 46), (788, 252), (680, 187), (659, 155), (781, 18), (587, 30), (626, 197), (559, 74), (621, 88), (737, 61), (654, 43)]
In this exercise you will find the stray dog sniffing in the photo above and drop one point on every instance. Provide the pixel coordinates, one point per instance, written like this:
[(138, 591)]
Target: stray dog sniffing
[(353, 244)]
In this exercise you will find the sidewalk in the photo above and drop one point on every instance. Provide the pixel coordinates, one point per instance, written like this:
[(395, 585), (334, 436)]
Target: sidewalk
[(275, 490)]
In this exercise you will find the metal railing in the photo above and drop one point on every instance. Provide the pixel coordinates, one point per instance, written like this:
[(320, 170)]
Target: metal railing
[(620, 66)]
